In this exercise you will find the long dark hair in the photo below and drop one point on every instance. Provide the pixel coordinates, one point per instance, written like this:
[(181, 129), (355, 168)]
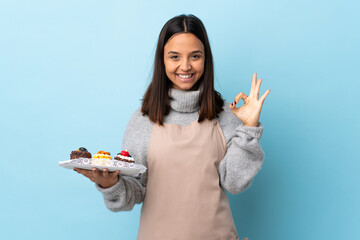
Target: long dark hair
[(156, 101)]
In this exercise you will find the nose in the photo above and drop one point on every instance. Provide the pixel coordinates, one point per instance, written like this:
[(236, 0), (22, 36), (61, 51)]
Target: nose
[(185, 65)]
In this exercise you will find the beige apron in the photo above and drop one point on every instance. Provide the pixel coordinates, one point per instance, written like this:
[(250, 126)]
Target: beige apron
[(184, 200)]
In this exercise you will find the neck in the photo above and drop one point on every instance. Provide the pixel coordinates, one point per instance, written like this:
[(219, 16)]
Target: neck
[(184, 101)]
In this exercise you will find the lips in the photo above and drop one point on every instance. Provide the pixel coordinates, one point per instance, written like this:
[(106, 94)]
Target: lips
[(186, 77)]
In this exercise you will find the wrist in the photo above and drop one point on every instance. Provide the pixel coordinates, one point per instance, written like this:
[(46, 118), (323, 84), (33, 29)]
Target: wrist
[(251, 124)]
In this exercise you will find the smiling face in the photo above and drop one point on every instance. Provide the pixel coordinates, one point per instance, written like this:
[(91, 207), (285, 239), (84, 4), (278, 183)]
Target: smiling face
[(184, 59)]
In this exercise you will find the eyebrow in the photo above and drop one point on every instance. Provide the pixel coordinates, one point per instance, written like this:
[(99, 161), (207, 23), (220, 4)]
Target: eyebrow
[(173, 52)]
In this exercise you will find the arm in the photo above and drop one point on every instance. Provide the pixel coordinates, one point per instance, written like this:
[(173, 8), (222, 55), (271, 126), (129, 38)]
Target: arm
[(129, 191), (244, 156), (124, 194)]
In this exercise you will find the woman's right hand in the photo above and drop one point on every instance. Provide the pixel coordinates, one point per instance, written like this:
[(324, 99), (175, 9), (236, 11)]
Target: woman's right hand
[(103, 178)]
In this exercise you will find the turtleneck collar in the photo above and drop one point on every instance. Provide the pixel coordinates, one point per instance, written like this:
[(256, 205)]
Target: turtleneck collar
[(184, 101)]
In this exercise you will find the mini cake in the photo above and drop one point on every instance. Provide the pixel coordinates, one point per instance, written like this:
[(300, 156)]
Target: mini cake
[(124, 156), (101, 158), (80, 153), (102, 155)]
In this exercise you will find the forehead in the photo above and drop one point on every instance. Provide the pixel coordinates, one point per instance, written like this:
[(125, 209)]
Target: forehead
[(183, 42)]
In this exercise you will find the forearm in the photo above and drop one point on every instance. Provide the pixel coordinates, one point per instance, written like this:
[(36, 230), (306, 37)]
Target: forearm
[(243, 159), (124, 194)]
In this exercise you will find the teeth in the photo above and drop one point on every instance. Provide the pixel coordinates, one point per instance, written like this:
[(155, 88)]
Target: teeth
[(185, 76)]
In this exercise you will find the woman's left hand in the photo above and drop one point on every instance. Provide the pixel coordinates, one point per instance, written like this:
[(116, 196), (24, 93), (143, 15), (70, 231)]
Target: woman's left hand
[(249, 113)]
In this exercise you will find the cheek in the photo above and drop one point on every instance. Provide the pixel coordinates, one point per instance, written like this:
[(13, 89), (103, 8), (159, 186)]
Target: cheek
[(200, 68), (170, 68), (166, 68)]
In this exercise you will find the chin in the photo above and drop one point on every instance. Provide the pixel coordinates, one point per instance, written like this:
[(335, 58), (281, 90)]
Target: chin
[(185, 88)]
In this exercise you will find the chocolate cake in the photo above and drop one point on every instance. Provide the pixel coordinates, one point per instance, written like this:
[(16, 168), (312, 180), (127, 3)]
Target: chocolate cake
[(80, 153)]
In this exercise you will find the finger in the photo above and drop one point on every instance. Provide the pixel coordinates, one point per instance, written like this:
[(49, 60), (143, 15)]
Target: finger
[(105, 172), (242, 96), (257, 88), (262, 99), (253, 84), (95, 172), (232, 106), (78, 170)]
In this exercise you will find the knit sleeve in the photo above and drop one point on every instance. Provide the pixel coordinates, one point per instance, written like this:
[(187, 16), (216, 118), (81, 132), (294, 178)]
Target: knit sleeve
[(244, 155), (129, 191)]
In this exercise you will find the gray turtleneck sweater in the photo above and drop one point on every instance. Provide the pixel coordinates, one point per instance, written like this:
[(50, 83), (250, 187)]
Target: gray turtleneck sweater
[(242, 161)]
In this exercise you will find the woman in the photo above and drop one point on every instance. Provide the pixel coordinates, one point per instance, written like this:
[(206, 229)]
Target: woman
[(195, 147)]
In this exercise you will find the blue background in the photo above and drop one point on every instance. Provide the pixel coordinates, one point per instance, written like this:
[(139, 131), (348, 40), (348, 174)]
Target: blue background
[(72, 73)]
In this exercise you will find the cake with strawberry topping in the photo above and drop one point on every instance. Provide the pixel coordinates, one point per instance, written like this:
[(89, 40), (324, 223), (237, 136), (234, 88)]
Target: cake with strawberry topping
[(124, 156), (80, 153)]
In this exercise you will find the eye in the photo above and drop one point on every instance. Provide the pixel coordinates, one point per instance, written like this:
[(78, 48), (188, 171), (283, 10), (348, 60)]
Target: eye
[(196, 56), (174, 57)]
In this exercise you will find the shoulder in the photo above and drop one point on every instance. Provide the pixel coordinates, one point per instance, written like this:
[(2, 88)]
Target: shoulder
[(137, 135), (138, 121)]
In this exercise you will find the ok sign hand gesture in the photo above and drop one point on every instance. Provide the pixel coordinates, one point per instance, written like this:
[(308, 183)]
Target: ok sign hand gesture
[(249, 113)]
